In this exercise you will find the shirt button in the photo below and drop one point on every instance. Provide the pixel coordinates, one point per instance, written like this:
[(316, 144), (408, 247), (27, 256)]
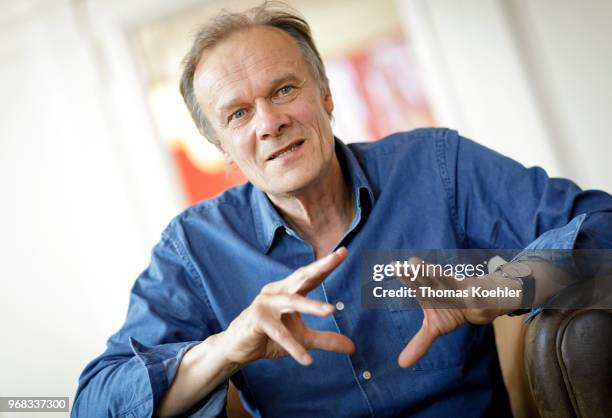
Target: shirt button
[(366, 375), (339, 306)]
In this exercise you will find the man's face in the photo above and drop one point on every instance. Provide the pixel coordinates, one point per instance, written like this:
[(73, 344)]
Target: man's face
[(270, 116)]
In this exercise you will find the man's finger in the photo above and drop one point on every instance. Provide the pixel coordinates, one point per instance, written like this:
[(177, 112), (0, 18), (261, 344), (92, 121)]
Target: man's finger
[(417, 347), (311, 276), (417, 274), (420, 266), (279, 333), (306, 278), (328, 341), (287, 303)]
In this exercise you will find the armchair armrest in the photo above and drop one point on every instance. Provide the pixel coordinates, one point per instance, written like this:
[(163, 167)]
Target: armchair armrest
[(568, 360)]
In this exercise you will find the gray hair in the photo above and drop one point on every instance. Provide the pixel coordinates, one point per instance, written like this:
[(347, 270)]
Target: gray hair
[(274, 14)]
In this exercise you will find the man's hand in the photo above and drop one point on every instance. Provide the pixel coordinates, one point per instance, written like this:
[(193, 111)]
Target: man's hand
[(272, 327), (442, 316)]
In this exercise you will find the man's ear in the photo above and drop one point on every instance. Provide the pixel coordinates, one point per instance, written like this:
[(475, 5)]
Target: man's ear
[(226, 157), (328, 102)]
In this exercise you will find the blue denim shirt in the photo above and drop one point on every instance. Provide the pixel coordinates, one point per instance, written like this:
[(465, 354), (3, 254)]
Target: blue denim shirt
[(428, 188)]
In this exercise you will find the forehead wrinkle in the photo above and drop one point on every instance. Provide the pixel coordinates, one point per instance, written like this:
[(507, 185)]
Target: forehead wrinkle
[(237, 100), (215, 80), (230, 63), (235, 75)]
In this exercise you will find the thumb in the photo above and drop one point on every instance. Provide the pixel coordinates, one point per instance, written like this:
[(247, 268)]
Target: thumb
[(417, 346)]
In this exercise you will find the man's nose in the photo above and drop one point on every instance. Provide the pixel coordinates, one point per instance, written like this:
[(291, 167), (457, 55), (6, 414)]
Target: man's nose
[(271, 120)]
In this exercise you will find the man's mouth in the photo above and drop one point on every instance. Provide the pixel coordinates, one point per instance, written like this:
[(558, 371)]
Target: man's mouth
[(285, 150)]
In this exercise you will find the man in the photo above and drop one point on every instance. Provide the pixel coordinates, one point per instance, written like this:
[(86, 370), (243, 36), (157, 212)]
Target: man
[(263, 280)]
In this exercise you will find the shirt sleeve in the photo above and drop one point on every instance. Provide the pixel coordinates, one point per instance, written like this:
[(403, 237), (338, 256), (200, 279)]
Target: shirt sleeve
[(498, 203), (168, 314)]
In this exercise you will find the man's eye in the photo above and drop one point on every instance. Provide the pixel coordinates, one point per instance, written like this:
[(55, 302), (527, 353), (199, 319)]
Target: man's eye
[(238, 114), (283, 91)]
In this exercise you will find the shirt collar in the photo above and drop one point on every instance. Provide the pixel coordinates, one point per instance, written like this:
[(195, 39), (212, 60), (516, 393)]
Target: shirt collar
[(358, 181), (268, 220)]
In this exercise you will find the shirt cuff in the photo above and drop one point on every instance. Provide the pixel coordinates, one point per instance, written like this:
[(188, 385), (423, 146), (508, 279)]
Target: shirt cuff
[(554, 246), (162, 363)]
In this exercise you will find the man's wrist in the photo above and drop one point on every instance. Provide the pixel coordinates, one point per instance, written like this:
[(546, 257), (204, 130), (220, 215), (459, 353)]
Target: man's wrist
[(508, 304), (213, 350), (522, 276)]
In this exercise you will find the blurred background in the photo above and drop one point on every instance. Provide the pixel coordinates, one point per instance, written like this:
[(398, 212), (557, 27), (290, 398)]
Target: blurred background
[(98, 153)]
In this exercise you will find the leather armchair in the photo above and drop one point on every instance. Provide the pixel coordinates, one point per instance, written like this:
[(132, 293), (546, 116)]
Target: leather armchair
[(568, 362), (559, 364)]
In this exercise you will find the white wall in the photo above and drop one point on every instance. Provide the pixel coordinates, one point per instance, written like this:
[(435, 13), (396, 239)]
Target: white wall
[(85, 190), (530, 79), (570, 46)]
